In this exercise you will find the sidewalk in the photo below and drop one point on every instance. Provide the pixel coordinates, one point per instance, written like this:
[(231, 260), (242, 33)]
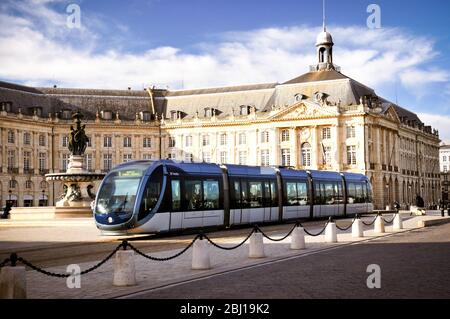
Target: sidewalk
[(152, 274)]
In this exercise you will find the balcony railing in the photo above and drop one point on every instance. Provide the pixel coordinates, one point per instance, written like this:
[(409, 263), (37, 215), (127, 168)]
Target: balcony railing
[(43, 171), (13, 170), (390, 168), (28, 171), (383, 167), (396, 169)]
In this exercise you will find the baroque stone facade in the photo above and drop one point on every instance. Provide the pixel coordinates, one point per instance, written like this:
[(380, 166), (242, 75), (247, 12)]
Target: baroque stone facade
[(322, 120)]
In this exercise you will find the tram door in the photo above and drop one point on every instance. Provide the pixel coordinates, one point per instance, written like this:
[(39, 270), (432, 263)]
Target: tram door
[(239, 211)]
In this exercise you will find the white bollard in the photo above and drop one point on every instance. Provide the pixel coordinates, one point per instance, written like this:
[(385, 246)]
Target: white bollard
[(124, 269), (200, 256), (379, 225), (331, 233), (13, 283), (298, 239), (256, 247), (357, 229), (398, 222)]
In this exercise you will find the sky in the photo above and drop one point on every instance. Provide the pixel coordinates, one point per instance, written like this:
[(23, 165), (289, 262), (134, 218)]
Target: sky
[(179, 44)]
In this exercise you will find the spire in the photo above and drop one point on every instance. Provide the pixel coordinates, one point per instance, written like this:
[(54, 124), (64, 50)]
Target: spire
[(324, 17)]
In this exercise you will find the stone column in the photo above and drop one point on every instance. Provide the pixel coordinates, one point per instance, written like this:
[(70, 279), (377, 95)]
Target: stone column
[(315, 148)]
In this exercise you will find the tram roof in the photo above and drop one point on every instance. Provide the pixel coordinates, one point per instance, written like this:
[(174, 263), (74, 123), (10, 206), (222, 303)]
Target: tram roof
[(239, 170), (326, 175), (355, 177)]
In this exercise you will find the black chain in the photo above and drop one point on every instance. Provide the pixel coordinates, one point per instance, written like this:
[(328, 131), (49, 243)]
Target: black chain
[(163, 258), (281, 239), (230, 248), (347, 228), (370, 224), (58, 275), (4, 262), (390, 222), (315, 235)]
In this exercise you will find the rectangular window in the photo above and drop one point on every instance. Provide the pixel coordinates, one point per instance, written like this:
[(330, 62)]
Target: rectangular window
[(206, 157), (171, 141), (223, 158), (188, 157), (265, 158), (445, 169), (107, 161), (223, 139), (444, 158), (26, 161), (11, 136), (41, 140), (327, 155), (89, 141), (188, 141), (265, 137), (65, 141), (285, 136), (242, 139), (26, 138), (285, 157), (176, 195), (127, 158), (351, 155), (242, 158), (107, 141), (326, 133), (42, 161), (88, 162), (127, 141), (11, 159), (147, 142), (193, 192), (255, 194), (211, 195), (65, 161), (351, 132), (147, 156), (205, 140)]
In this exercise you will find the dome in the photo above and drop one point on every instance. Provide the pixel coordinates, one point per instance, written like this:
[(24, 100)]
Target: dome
[(324, 37)]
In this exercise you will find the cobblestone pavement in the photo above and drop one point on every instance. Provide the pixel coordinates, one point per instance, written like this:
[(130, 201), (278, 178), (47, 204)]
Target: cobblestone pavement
[(413, 265), (55, 256)]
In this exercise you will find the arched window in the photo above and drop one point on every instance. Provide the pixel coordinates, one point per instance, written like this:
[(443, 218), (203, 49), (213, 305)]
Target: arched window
[(306, 154)]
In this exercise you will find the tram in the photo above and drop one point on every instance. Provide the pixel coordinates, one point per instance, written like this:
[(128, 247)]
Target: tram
[(169, 196)]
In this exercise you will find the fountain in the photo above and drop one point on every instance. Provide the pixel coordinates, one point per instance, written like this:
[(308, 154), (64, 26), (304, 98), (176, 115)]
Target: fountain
[(77, 180)]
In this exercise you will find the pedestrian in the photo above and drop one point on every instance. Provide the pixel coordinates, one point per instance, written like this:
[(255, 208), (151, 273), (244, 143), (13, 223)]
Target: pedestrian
[(6, 210)]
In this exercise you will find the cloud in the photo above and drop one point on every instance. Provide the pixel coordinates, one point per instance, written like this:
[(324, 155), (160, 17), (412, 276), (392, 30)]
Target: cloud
[(36, 47), (440, 122)]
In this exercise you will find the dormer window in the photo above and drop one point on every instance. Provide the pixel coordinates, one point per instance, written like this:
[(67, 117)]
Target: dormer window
[(37, 110), (66, 114), (245, 109), (146, 116), (6, 106), (106, 115), (210, 111)]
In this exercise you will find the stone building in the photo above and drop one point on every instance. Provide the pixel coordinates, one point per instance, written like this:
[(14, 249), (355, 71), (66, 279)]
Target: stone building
[(321, 120)]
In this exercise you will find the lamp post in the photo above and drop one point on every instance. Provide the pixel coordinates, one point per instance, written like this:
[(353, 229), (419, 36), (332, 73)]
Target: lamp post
[(9, 198)]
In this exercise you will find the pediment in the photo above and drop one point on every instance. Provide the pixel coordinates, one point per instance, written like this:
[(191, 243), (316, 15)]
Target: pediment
[(392, 115), (304, 110)]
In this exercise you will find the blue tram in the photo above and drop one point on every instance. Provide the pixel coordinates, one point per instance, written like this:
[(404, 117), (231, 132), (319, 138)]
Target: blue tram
[(167, 196)]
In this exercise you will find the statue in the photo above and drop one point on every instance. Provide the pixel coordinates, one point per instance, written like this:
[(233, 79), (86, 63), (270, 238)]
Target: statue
[(77, 137)]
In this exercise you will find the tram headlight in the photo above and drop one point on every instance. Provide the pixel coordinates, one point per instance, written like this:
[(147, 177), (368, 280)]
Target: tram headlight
[(110, 220)]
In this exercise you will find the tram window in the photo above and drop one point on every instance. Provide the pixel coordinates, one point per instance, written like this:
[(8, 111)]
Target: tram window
[(193, 195), (245, 201), (176, 195), (364, 193), (359, 194), (317, 197), (211, 195), (369, 193), (256, 194), (267, 197), (302, 194), (236, 195), (329, 193), (291, 194), (274, 193), (351, 193)]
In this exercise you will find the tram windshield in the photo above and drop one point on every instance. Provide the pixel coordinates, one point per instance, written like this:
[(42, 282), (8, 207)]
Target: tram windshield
[(118, 192)]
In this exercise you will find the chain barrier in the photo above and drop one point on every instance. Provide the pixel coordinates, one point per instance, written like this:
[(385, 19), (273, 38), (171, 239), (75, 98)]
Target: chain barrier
[(4, 262), (391, 221), (164, 258), (14, 259), (315, 235), (234, 247), (371, 223), (281, 239), (346, 228)]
